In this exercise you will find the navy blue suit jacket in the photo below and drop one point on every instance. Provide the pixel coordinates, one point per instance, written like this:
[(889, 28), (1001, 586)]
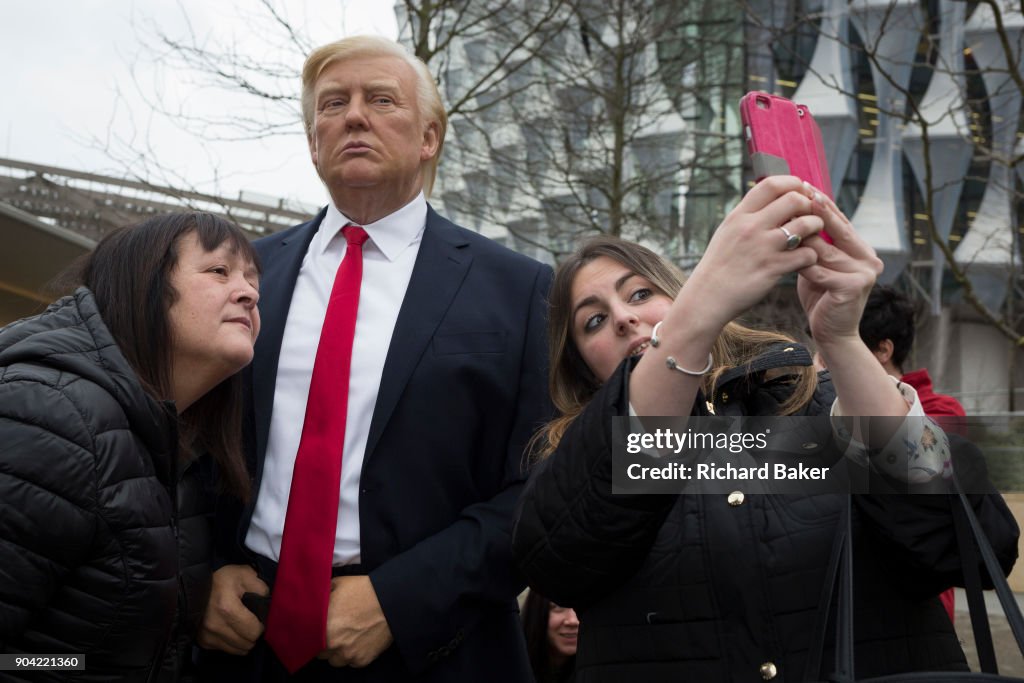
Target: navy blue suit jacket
[(463, 389)]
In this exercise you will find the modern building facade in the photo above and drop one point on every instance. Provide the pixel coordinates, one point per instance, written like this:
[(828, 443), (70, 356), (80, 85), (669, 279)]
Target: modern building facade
[(918, 107)]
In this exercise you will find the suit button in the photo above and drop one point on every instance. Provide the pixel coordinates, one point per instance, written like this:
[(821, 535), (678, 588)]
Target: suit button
[(768, 671), (735, 498)]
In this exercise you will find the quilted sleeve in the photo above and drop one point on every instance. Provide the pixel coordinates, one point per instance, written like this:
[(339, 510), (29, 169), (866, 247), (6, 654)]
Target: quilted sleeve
[(47, 480)]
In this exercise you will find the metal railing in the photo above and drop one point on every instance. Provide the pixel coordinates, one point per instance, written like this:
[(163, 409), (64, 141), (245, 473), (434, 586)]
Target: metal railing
[(94, 204)]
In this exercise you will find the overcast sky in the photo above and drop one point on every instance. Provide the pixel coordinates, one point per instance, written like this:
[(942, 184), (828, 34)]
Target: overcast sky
[(75, 73)]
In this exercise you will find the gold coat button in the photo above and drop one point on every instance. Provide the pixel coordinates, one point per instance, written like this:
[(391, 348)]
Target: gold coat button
[(735, 498), (768, 671)]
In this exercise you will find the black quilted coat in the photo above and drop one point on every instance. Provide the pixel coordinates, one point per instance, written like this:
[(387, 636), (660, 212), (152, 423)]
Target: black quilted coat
[(704, 588), (88, 496)]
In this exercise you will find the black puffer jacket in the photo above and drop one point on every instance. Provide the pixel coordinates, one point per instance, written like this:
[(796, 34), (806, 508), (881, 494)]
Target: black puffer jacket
[(194, 513), (698, 588), (87, 523)]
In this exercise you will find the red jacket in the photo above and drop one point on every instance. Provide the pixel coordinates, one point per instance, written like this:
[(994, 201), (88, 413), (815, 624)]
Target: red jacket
[(933, 404), (941, 406)]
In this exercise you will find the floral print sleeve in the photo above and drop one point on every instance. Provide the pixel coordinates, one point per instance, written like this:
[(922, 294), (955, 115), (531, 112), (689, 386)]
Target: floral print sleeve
[(918, 451)]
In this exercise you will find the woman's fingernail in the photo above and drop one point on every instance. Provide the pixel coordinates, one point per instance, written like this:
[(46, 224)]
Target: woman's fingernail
[(819, 198), (810, 188)]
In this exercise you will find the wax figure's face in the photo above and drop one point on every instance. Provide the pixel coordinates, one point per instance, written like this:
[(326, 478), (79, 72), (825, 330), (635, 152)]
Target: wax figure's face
[(614, 311), (563, 627), (214, 321), (368, 130)]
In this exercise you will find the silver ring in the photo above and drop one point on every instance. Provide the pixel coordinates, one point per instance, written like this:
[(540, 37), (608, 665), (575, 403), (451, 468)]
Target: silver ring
[(792, 241)]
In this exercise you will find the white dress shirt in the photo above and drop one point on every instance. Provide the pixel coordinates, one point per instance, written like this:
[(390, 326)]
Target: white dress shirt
[(388, 259)]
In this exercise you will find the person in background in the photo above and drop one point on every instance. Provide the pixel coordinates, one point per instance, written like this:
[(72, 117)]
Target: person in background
[(887, 328), (551, 632), (398, 379), (727, 586), (111, 403)]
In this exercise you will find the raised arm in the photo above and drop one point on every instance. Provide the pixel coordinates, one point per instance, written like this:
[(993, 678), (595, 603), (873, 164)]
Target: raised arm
[(833, 292), (743, 261)]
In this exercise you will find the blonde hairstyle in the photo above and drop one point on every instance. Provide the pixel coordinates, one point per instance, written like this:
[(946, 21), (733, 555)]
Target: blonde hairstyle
[(571, 382), (428, 97)]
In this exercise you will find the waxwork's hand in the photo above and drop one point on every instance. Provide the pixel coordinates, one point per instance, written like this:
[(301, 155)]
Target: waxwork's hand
[(357, 631)]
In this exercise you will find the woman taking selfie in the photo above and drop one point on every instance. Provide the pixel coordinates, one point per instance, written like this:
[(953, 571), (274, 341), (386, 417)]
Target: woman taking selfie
[(106, 399), (725, 587)]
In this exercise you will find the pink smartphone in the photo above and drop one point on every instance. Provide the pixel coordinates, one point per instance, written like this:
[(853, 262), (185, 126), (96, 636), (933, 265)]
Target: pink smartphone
[(783, 139)]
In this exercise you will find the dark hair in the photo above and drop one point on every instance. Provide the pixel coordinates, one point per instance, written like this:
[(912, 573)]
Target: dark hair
[(129, 274), (888, 314), (536, 613)]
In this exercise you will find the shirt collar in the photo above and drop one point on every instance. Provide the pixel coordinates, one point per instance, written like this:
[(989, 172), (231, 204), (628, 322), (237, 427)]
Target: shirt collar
[(391, 234)]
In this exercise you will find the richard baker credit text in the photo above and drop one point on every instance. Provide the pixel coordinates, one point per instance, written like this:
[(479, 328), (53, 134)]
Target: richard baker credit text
[(710, 472)]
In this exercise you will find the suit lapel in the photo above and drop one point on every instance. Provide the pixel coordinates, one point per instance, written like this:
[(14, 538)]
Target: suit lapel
[(281, 258), (441, 265)]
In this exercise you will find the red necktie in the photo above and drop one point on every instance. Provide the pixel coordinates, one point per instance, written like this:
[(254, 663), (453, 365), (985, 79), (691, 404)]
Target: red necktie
[(297, 623)]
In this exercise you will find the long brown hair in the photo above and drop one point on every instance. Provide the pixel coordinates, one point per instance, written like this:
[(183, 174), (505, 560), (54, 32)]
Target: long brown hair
[(572, 384), (129, 274)]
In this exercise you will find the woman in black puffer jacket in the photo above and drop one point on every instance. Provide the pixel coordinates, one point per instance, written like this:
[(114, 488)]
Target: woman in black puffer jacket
[(104, 401), (724, 586)]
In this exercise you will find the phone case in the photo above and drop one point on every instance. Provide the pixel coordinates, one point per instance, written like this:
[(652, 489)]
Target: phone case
[(783, 139)]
